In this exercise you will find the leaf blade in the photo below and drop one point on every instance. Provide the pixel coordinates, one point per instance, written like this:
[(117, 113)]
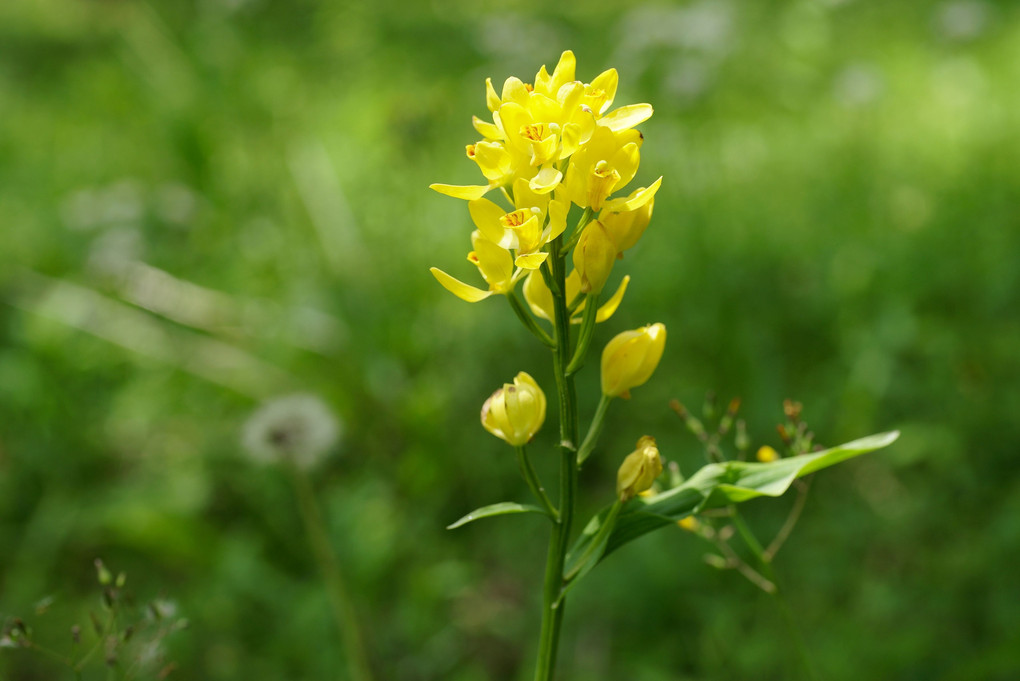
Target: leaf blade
[(719, 484), (502, 508)]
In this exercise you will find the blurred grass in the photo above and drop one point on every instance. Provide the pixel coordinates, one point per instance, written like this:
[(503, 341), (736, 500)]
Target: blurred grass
[(204, 204)]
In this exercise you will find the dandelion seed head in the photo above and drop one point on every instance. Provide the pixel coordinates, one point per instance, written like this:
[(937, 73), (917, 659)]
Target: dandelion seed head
[(300, 428)]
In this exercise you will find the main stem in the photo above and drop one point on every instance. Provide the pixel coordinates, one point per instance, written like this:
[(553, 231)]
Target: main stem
[(552, 604)]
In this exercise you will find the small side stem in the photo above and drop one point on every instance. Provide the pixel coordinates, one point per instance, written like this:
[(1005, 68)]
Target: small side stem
[(80, 664), (587, 216), (593, 546), (529, 321), (343, 609), (791, 520), (591, 311), (531, 477), (784, 607), (594, 430)]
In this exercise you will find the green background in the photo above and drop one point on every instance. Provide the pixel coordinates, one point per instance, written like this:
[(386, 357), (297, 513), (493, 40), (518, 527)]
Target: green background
[(208, 203)]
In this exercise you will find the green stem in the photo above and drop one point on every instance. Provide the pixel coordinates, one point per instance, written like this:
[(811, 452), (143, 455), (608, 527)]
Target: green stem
[(529, 321), (80, 664), (528, 471), (595, 545), (52, 654), (767, 569), (575, 303), (552, 605), (584, 336), (587, 216), (594, 430), (358, 668)]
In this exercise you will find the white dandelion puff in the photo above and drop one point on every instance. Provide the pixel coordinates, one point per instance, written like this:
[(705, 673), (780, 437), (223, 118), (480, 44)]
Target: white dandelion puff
[(299, 428)]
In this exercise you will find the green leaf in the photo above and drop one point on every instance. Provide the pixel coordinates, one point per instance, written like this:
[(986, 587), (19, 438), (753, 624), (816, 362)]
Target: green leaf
[(502, 508), (715, 485)]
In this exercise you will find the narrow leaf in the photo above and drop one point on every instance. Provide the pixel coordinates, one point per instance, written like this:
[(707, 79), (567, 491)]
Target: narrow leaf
[(715, 485), (502, 508)]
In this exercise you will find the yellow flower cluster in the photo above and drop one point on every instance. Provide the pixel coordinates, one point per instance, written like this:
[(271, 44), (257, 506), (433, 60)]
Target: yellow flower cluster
[(552, 144)]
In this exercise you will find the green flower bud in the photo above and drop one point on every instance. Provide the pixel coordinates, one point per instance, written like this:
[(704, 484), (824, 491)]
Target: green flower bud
[(639, 470)]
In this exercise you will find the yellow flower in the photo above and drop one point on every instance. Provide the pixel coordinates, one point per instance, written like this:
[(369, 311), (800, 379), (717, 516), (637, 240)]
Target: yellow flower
[(536, 126), (630, 358), (606, 163), (767, 454), (639, 470), (521, 230), (495, 265), (540, 298), (626, 219), (594, 256), (516, 411)]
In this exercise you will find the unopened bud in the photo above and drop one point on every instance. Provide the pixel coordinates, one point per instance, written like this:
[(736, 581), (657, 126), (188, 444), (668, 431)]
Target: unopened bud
[(708, 409), (630, 358), (781, 429), (102, 573), (718, 562), (516, 411), (792, 410), (594, 257), (676, 478), (689, 523), (639, 470), (741, 439)]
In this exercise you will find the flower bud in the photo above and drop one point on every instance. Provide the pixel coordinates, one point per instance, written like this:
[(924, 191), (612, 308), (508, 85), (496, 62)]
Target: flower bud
[(689, 523), (639, 470), (594, 256), (516, 411), (767, 454), (630, 358)]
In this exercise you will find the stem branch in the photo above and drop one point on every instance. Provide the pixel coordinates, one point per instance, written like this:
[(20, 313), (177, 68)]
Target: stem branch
[(531, 477)]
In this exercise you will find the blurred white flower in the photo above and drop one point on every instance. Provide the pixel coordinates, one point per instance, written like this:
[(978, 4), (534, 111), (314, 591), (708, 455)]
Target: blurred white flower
[(706, 26), (962, 20), (858, 85), (300, 428)]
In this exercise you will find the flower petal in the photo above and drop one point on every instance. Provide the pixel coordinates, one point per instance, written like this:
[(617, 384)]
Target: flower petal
[(606, 83), (626, 116), (486, 129), (469, 192), (609, 308), (486, 214), (459, 288), (557, 218), (491, 98), (564, 71), (531, 261), (546, 180), (637, 198), (538, 295)]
